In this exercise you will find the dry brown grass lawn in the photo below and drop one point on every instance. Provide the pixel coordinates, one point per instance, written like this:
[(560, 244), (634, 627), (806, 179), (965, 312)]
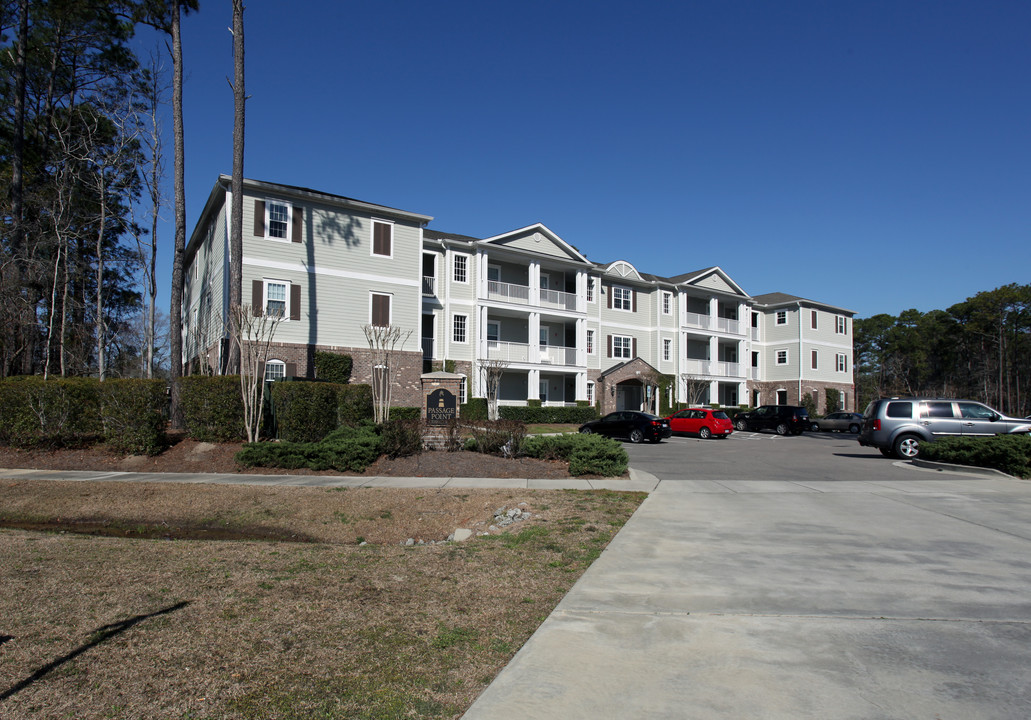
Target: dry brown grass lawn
[(122, 627)]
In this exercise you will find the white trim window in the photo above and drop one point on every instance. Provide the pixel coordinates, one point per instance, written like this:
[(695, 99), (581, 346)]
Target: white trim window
[(382, 238), (622, 298), (590, 342), (667, 346), (813, 319), (841, 362), (459, 325), (782, 317), (379, 309), (278, 220), (816, 356), (462, 394), (590, 393), (782, 357), (275, 370), (460, 268), (277, 299), (590, 289), (622, 346), (840, 325), (667, 303)]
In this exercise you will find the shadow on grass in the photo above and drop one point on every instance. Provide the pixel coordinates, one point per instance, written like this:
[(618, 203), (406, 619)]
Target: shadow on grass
[(99, 636)]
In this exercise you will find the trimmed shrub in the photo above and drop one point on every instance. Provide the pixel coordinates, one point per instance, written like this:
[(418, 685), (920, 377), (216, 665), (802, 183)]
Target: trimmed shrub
[(354, 404), (212, 408), (304, 411), (474, 411), (52, 412), (402, 412), (587, 454), (401, 438), (333, 367), (1009, 453), (500, 437), (133, 415), (346, 449), (532, 414)]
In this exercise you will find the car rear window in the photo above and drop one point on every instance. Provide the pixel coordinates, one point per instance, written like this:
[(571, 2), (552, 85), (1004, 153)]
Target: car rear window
[(720, 415), (900, 409)]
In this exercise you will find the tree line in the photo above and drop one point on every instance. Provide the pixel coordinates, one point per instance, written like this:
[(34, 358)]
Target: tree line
[(82, 163), (978, 349)]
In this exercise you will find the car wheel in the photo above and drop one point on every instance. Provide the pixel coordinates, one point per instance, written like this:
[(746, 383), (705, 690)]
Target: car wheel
[(636, 436), (705, 433), (907, 447), (854, 429), (586, 431), (741, 425), (814, 427), (782, 428)]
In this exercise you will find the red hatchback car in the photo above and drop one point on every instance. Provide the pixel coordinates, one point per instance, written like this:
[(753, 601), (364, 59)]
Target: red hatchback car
[(703, 422)]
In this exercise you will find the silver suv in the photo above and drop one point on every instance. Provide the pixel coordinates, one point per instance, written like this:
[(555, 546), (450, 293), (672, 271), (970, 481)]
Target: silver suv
[(897, 426)]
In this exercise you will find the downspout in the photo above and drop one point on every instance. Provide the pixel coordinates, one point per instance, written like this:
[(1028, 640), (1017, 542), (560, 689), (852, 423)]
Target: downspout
[(801, 365)]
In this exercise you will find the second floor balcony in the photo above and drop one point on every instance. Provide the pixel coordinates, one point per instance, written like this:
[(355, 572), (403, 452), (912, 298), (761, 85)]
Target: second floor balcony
[(523, 353), (510, 292), (713, 368), (708, 322)]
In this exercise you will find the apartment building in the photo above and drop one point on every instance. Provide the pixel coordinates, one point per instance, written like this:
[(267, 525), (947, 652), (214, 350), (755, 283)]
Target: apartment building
[(562, 327)]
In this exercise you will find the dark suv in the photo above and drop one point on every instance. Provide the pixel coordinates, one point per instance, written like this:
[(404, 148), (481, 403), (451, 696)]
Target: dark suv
[(785, 419)]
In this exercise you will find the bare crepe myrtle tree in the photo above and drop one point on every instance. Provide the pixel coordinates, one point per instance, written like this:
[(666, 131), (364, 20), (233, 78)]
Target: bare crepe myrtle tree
[(492, 371), (696, 389), (252, 335), (385, 342)]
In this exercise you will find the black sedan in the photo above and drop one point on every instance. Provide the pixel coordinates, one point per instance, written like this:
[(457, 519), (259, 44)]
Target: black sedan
[(630, 424)]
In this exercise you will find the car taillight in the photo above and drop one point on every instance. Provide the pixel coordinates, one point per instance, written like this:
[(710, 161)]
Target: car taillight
[(876, 425)]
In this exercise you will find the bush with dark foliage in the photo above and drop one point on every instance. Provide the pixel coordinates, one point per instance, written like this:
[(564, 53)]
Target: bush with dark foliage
[(586, 454), (1009, 453), (212, 408), (305, 411)]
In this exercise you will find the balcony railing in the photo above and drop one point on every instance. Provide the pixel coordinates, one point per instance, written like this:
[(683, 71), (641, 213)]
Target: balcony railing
[(696, 320), (507, 291), (520, 352), (554, 298), (429, 285), (713, 368), (729, 326)]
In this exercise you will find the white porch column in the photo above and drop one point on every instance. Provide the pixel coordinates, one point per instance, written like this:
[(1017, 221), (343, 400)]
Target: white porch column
[(533, 385), (581, 293), (581, 386), (481, 335), (714, 354), (744, 315), (535, 339), (581, 346), (743, 362), (742, 394), (482, 274), (535, 284), (714, 391), (714, 312)]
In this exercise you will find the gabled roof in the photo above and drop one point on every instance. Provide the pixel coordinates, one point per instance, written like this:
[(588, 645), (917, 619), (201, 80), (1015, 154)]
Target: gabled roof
[(535, 238), (710, 278), (624, 270), (778, 299)]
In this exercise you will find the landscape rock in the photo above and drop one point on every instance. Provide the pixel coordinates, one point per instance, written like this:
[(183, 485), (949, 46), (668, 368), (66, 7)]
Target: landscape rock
[(461, 534)]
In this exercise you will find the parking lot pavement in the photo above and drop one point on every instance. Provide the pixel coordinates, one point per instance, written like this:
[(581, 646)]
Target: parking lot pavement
[(792, 578)]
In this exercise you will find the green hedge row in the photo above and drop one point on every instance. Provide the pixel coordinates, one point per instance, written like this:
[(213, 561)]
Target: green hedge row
[(351, 448), (587, 454), (127, 414), (1009, 453), (212, 408), (551, 415)]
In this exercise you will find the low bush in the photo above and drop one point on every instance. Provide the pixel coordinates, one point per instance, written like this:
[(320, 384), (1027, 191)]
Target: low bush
[(333, 367), (550, 415), (474, 411), (586, 454), (1009, 453), (348, 448), (51, 412), (212, 407), (355, 404), (305, 411), (401, 438), (405, 413), (499, 437), (133, 415)]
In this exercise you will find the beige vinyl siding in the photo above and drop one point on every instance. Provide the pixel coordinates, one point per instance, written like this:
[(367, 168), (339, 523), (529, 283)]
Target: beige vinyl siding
[(774, 333), (205, 278), (539, 245)]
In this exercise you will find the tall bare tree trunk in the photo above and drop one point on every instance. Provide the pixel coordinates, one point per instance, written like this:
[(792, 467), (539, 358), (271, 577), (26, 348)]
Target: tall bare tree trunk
[(236, 232), (100, 279), (22, 329), (175, 307)]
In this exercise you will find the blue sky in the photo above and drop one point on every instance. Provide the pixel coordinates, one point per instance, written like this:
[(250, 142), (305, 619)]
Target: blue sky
[(871, 155)]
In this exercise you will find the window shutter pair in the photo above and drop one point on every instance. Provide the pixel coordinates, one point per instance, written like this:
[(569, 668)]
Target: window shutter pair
[(258, 299), (259, 222)]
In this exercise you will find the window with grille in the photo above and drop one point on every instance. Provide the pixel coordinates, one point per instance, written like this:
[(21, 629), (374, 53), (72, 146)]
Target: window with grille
[(459, 334), (275, 370), (622, 346), (461, 268), (622, 298), (278, 220), (782, 357), (275, 299)]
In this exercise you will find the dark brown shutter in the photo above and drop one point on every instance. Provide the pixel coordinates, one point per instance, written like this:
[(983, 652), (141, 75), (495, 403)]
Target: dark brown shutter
[(261, 370), (257, 297), (295, 301), (290, 370), (608, 293), (609, 337), (381, 310), (259, 218), (298, 234), (381, 238), (633, 348), (633, 296)]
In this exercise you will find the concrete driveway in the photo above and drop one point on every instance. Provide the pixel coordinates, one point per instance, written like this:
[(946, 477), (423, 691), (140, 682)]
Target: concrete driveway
[(772, 577)]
